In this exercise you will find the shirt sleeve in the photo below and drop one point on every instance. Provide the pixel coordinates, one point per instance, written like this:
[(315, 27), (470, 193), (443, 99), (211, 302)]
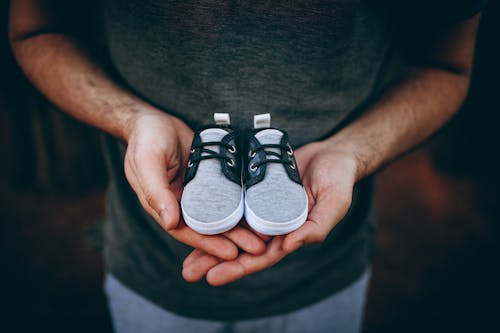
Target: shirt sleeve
[(435, 12), (458, 10)]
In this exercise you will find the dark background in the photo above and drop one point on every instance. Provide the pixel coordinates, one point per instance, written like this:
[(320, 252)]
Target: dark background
[(438, 207)]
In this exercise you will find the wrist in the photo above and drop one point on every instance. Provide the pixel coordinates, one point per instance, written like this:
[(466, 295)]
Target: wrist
[(347, 151), (135, 114)]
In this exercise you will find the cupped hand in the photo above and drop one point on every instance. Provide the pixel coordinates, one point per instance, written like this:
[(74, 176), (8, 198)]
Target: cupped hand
[(155, 160), (328, 174)]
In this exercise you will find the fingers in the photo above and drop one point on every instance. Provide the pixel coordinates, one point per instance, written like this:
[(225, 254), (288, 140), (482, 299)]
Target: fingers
[(195, 254), (229, 271), (323, 217), (246, 240), (147, 174), (197, 264), (216, 245)]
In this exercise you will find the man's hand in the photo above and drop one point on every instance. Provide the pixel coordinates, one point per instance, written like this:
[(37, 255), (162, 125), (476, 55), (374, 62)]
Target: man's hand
[(410, 111), (157, 152), (421, 102), (328, 175), (60, 66)]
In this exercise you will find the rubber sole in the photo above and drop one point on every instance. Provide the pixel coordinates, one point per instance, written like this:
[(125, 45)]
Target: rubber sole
[(274, 228), (216, 227)]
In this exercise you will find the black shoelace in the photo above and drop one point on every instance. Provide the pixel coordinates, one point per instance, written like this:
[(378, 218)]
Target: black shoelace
[(212, 153), (280, 159)]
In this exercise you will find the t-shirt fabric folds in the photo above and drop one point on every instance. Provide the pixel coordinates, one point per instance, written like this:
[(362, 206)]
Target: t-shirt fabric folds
[(313, 65)]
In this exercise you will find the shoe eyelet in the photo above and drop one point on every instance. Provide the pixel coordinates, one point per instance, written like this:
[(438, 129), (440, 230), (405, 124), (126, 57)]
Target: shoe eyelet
[(232, 149), (230, 163), (289, 151), (253, 167), (252, 154), (292, 166), (192, 151), (190, 164)]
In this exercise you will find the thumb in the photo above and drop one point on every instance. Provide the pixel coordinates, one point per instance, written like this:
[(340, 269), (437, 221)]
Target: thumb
[(167, 208), (155, 193), (324, 215)]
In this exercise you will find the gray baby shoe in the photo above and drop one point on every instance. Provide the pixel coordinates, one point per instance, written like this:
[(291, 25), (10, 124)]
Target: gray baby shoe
[(275, 200), (212, 201)]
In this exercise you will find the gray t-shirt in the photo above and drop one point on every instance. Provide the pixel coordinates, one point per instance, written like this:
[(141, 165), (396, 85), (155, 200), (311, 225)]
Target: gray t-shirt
[(312, 64)]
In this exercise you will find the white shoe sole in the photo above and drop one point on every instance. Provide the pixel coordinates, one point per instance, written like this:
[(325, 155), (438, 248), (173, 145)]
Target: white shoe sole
[(215, 227), (274, 228)]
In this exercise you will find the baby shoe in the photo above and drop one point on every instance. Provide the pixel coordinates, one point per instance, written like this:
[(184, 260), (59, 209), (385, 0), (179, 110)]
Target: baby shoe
[(212, 201), (275, 200)]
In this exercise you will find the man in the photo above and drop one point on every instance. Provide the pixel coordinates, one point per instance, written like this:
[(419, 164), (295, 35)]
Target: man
[(329, 72)]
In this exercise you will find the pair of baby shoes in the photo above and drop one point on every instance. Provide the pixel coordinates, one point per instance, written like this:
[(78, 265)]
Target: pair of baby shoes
[(231, 173)]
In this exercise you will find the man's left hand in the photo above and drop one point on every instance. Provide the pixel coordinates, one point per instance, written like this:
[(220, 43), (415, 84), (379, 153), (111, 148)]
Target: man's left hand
[(328, 174)]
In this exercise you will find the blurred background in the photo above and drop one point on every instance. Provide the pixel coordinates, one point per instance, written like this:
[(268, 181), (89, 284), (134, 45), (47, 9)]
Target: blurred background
[(437, 264)]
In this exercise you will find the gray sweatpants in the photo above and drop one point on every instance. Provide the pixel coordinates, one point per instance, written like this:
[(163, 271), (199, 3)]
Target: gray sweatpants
[(341, 312)]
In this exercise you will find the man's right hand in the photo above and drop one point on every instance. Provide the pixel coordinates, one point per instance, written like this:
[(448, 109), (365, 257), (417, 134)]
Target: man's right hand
[(157, 153), (59, 65)]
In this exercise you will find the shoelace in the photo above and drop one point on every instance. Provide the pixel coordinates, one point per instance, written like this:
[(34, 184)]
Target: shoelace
[(212, 153), (279, 159)]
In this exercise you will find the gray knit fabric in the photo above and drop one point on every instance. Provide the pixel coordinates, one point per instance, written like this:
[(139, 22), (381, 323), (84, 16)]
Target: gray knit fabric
[(210, 196), (276, 198)]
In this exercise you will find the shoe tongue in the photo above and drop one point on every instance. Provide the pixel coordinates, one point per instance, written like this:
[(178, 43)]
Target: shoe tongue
[(212, 134), (270, 136)]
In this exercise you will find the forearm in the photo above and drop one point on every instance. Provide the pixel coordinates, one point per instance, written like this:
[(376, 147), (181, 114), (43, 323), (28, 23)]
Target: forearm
[(69, 77), (426, 97), (405, 116)]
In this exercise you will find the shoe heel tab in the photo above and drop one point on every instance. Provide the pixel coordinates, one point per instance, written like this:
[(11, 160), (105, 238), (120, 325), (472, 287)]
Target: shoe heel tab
[(222, 119), (262, 121)]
